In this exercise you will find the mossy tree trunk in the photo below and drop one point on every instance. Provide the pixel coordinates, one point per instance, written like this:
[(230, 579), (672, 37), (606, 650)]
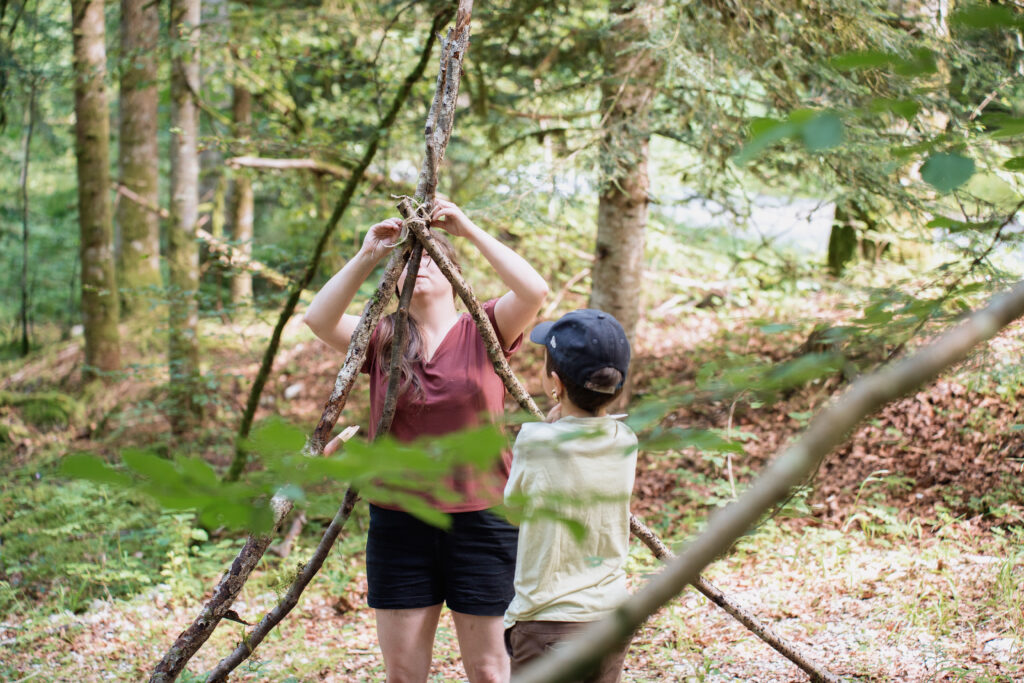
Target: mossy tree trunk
[(626, 94), (100, 310), (182, 248), (240, 213), (138, 228)]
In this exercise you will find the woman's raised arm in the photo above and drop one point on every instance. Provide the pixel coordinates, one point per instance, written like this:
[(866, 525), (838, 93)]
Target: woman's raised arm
[(326, 314), (527, 289)]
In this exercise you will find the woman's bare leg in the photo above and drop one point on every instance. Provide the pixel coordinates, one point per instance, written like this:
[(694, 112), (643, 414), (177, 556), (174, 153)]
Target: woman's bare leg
[(482, 643), (407, 641)]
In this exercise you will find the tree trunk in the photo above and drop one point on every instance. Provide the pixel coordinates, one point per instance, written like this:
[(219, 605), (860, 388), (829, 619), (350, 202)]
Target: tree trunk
[(240, 215), (138, 230), (182, 249), (92, 148), (626, 94), (26, 156), (213, 86)]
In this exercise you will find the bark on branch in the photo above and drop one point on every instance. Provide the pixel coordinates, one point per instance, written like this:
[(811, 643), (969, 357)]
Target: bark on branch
[(644, 534), (315, 444), (225, 252), (190, 640), (828, 429)]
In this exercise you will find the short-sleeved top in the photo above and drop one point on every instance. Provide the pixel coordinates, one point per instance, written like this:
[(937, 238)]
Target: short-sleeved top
[(460, 390), (581, 468)]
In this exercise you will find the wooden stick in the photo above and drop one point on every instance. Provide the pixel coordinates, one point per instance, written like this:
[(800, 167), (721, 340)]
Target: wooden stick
[(195, 635), (343, 385), (827, 430), (648, 537), (225, 252)]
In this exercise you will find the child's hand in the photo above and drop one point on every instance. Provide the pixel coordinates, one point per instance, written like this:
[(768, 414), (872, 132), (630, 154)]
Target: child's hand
[(449, 217), (555, 413)]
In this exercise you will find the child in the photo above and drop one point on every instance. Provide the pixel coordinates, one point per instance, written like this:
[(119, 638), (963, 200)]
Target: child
[(581, 463)]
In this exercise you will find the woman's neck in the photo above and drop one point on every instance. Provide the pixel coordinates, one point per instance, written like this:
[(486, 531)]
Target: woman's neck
[(434, 315)]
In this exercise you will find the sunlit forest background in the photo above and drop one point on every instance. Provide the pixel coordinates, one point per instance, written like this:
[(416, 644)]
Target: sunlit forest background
[(775, 198)]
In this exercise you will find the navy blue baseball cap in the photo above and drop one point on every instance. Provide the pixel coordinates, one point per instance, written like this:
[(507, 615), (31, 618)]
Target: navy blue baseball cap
[(582, 342)]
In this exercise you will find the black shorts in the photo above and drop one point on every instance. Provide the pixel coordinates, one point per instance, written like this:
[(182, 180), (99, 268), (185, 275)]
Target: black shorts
[(411, 564)]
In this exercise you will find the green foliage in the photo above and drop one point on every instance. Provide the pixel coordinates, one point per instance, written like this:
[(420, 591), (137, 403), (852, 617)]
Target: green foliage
[(384, 470), (67, 544), (44, 409), (947, 171)]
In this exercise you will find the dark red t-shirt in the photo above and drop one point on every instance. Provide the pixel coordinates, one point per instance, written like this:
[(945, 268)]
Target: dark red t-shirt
[(460, 389)]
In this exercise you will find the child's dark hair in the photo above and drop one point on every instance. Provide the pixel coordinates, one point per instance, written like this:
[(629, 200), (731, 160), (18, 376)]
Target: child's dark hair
[(587, 399)]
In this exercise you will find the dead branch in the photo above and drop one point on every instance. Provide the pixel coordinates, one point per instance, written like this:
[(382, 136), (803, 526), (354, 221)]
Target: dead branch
[(284, 548), (828, 429), (816, 671), (290, 165), (224, 252), (315, 165), (346, 376)]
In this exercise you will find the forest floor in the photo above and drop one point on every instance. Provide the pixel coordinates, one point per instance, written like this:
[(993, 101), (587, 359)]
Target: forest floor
[(903, 561)]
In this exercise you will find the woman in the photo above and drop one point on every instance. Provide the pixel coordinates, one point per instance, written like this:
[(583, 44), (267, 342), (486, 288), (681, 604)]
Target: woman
[(448, 383)]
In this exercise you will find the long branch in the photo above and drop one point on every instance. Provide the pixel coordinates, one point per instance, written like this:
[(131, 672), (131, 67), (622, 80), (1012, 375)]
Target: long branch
[(789, 650), (644, 534), (401, 96), (227, 253), (343, 384), (193, 637), (828, 429)]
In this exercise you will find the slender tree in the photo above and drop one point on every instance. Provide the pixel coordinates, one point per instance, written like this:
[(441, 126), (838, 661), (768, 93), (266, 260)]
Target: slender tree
[(92, 139), (240, 210), (182, 248), (626, 94), (138, 228)]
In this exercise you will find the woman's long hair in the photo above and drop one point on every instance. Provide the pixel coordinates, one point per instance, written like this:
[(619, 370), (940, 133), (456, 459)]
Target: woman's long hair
[(414, 349)]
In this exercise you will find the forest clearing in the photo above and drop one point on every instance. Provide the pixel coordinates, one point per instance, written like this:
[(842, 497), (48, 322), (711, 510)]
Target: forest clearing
[(703, 362)]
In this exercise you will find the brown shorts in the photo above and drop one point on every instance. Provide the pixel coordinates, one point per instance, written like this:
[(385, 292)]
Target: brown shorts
[(528, 640)]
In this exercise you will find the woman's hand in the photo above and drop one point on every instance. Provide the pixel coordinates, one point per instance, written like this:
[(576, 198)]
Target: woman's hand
[(449, 217), (382, 238)]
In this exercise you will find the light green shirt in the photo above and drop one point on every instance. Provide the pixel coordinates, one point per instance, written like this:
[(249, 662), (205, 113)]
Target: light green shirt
[(580, 468)]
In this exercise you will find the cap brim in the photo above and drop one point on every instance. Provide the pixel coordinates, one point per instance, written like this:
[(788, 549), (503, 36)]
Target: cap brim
[(539, 334)]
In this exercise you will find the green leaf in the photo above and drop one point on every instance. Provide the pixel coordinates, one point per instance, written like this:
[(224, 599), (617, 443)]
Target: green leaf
[(903, 152), (822, 132), (863, 59), (151, 466), (987, 17), (1001, 126), (764, 133), (804, 369), (905, 109), (276, 438), (1014, 164), (776, 328), (480, 447), (91, 468), (198, 471), (922, 62), (701, 439), (955, 226), (946, 171)]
